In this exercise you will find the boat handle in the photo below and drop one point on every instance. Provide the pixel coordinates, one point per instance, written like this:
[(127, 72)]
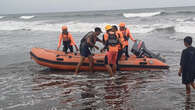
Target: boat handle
[(142, 63), (60, 59)]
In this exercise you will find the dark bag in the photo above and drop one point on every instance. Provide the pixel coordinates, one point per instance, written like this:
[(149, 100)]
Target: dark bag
[(113, 40)]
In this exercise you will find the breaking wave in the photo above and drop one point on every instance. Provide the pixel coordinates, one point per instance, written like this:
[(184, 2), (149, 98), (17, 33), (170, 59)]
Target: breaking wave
[(185, 27), (26, 17), (150, 14), (131, 15), (2, 17), (185, 19), (42, 26)]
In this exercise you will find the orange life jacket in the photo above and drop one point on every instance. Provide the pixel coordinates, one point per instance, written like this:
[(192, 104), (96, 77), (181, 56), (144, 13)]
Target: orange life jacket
[(125, 34)]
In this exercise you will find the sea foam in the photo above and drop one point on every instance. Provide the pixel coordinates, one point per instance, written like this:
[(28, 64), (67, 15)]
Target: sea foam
[(130, 15), (2, 17), (26, 17), (183, 27)]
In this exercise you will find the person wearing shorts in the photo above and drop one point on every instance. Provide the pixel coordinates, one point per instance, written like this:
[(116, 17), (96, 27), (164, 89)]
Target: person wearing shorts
[(87, 42), (187, 64), (111, 44)]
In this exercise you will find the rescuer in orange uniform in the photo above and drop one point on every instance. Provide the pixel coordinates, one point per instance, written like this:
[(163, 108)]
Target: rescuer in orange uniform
[(121, 39), (126, 35), (111, 41), (67, 39)]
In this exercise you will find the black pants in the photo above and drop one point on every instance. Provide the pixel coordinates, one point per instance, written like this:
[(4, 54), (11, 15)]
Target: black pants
[(126, 51), (120, 52), (66, 47)]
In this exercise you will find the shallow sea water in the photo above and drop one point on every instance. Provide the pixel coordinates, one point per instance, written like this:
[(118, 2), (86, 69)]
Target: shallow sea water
[(24, 85)]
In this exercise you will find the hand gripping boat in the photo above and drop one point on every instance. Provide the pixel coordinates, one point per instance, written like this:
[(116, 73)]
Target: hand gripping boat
[(143, 59)]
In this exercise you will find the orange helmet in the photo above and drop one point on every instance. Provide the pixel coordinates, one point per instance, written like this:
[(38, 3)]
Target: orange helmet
[(122, 24), (64, 27)]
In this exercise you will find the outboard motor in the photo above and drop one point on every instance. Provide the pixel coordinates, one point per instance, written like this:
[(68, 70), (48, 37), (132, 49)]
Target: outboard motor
[(141, 51)]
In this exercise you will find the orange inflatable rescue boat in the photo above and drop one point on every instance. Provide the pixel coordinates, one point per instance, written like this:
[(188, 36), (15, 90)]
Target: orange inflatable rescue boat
[(142, 59)]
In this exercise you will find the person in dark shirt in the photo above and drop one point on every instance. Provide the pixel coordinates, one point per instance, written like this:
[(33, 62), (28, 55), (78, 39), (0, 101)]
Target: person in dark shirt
[(187, 65), (88, 42)]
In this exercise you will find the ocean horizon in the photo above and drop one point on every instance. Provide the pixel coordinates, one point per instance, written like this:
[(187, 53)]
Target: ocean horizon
[(100, 10)]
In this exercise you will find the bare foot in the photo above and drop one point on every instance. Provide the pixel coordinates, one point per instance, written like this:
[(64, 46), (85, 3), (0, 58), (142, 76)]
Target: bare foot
[(193, 85)]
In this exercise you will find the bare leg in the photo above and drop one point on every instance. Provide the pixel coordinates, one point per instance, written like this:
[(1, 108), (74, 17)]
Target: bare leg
[(188, 89), (109, 69), (188, 102), (193, 85), (79, 64), (91, 63)]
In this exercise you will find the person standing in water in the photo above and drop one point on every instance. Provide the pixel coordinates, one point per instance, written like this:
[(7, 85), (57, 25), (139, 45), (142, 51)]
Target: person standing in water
[(121, 39), (187, 65), (126, 35), (88, 42), (68, 40), (112, 44)]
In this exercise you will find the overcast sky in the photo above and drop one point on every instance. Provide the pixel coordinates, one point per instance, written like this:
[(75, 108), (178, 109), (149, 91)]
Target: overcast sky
[(33, 6)]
